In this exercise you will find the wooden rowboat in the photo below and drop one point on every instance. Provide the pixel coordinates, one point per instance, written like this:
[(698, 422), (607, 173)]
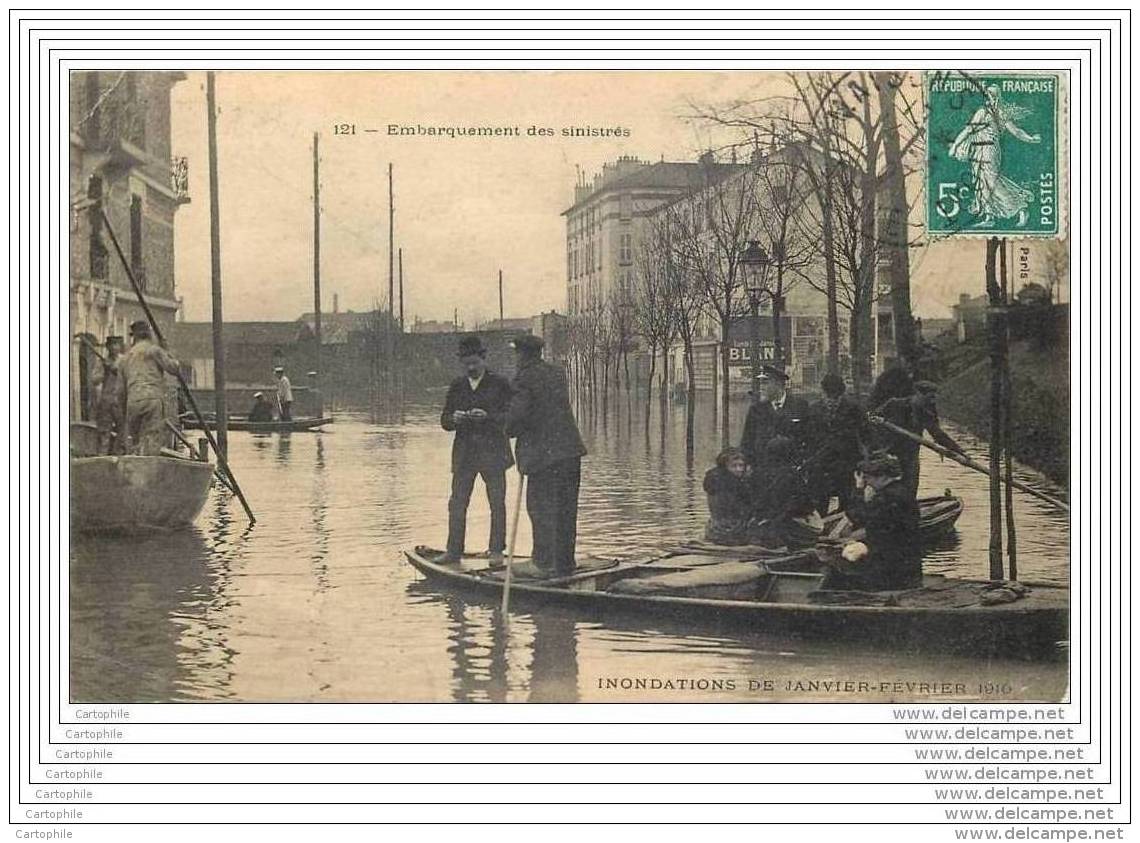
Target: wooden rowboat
[(697, 589), (133, 493), (240, 423)]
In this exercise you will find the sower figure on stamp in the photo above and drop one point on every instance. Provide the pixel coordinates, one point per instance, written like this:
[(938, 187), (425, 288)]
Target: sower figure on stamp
[(549, 451), (144, 369), (476, 409)]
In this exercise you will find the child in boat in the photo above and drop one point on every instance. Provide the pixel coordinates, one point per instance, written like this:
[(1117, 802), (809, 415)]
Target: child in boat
[(785, 514), (729, 493)]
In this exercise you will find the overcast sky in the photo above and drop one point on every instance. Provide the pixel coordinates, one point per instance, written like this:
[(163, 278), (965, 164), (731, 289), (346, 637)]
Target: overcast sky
[(464, 207)]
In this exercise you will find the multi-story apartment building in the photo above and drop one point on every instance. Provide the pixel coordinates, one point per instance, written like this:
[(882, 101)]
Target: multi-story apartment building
[(120, 154), (611, 216)]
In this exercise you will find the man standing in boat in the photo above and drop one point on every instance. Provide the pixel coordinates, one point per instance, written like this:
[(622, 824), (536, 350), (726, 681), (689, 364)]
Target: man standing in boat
[(476, 409), (109, 408), (774, 412), (284, 395), (549, 449), (144, 369)]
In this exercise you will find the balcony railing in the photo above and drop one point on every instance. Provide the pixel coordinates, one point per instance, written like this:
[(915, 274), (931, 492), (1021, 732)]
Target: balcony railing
[(180, 176)]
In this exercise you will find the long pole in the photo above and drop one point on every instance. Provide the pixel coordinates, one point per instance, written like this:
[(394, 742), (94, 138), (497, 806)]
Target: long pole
[(391, 285), (755, 331), (401, 255), (216, 271), (962, 460), (995, 334), (225, 466), (511, 549), (501, 299), (317, 251), (1007, 421)]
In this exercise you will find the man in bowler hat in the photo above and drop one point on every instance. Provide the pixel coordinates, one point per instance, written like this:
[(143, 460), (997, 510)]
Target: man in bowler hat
[(549, 451), (476, 409)]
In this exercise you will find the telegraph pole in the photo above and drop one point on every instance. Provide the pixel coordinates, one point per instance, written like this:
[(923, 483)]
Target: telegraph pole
[(317, 251), (500, 299), (216, 271), (401, 256), (391, 285)]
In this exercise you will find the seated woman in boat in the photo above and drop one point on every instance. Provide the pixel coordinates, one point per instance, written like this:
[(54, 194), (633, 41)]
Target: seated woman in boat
[(262, 410), (890, 557), (729, 493), (785, 515)]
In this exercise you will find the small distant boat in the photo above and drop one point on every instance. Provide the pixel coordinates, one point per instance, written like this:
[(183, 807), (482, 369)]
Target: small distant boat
[(241, 423), (131, 493)]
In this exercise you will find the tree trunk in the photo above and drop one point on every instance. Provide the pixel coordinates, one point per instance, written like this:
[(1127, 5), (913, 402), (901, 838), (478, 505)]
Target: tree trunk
[(724, 386), (895, 239), (691, 402), (777, 340), (649, 385), (995, 325)]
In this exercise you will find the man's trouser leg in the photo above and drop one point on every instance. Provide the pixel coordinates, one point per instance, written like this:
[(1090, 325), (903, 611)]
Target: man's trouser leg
[(496, 483), (462, 482), (147, 425), (286, 411), (540, 508), (568, 475)]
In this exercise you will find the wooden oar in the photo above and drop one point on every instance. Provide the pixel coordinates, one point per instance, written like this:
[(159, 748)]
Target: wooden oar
[(963, 460), (511, 550), (222, 464)]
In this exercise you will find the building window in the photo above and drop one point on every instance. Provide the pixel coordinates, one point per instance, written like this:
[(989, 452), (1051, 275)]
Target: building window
[(136, 240), (91, 96), (625, 206), (569, 264), (625, 255), (97, 252)]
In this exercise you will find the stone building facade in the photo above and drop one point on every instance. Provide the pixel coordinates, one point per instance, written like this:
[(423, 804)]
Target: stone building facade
[(120, 155)]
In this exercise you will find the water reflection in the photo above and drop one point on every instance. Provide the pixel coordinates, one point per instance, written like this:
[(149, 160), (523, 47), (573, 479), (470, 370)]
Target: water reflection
[(316, 602)]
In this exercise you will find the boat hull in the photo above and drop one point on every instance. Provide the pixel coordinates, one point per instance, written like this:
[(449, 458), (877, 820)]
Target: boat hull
[(134, 493), (1028, 627), (239, 424)]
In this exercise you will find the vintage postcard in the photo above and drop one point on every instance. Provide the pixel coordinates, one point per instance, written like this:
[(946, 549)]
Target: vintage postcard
[(591, 386)]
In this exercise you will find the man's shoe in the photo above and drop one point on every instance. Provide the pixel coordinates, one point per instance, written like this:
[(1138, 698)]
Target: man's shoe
[(532, 571), (495, 560), (448, 558)]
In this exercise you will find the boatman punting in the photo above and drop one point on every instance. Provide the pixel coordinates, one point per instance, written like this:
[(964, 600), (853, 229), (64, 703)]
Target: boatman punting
[(144, 369), (284, 394), (476, 409), (549, 450)]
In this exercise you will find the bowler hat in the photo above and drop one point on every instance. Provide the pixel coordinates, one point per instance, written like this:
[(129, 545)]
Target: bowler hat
[(471, 345), (527, 342), (140, 328)]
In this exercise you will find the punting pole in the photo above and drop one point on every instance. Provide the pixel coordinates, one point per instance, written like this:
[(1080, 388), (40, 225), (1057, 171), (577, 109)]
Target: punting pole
[(225, 466), (511, 550), (216, 321), (181, 437), (961, 460)]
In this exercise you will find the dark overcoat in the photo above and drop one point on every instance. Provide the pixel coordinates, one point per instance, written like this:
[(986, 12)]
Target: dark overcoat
[(479, 445), (541, 418), (764, 422)]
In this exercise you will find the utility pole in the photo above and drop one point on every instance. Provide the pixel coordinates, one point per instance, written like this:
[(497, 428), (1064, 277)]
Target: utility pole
[(501, 299), (401, 256), (317, 251), (995, 324), (391, 284), (216, 271)]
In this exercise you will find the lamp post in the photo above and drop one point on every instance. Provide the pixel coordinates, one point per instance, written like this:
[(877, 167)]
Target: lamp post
[(754, 262)]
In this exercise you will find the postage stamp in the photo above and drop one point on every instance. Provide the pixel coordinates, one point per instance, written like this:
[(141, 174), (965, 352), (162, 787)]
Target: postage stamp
[(992, 154)]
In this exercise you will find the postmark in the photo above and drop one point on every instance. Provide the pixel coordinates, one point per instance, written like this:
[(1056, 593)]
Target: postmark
[(992, 154)]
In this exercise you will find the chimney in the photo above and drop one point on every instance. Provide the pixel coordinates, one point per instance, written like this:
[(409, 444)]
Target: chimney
[(336, 303)]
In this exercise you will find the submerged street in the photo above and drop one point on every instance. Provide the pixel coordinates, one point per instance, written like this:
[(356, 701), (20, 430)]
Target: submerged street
[(315, 603)]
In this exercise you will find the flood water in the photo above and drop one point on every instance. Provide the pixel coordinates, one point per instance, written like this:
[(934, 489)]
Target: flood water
[(315, 603)]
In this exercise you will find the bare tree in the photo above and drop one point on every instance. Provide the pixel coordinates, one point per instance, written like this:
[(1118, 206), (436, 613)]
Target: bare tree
[(651, 312)]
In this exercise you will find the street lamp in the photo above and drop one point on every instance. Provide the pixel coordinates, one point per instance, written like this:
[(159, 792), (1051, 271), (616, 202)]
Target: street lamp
[(755, 263)]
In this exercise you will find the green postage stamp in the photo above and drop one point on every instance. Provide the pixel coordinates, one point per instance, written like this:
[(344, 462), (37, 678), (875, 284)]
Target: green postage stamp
[(991, 159)]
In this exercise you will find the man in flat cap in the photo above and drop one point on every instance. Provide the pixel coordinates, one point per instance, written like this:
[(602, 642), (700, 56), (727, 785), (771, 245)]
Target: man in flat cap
[(774, 412), (144, 369), (476, 409), (549, 451)]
